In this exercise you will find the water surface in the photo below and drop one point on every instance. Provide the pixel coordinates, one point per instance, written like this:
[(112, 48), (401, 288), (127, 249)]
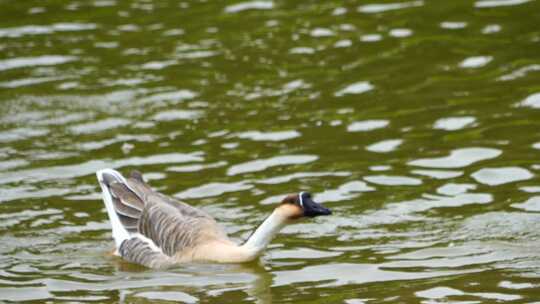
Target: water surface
[(415, 121)]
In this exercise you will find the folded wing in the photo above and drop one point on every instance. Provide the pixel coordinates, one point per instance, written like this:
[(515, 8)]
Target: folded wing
[(150, 228)]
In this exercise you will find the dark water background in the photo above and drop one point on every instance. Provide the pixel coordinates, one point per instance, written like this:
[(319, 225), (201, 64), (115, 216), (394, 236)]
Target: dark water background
[(417, 122)]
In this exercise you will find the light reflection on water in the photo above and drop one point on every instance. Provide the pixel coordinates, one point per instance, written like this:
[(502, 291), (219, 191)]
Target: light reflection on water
[(415, 122)]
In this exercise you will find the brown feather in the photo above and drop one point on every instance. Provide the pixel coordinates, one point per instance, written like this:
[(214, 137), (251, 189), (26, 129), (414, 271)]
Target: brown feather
[(128, 222), (136, 175), (125, 210), (127, 196), (139, 187)]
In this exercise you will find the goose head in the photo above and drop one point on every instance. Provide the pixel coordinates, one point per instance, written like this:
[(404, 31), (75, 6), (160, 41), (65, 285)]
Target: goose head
[(293, 207), (296, 206)]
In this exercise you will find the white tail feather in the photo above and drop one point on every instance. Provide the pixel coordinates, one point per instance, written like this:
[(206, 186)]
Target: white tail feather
[(119, 233)]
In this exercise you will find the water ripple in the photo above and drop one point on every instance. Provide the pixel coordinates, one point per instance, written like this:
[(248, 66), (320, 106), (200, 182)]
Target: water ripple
[(344, 192), (503, 175), (393, 180), (355, 88), (400, 32), (453, 25), (171, 97), (167, 296), (532, 204), (172, 115), (379, 8), (99, 126), (496, 3), (28, 81), (367, 125), (385, 146), (438, 174), (475, 62), (269, 136), (519, 73), (335, 274), (458, 158), (263, 164), (22, 62), (532, 101), (90, 167), (299, 175), (454, 123), (438, 293), (321, 32), (17, 294), (249, 5), (213, 189), (21, 134), (16, 32)]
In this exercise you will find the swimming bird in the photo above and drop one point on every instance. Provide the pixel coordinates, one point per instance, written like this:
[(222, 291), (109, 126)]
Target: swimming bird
[(157, 231)]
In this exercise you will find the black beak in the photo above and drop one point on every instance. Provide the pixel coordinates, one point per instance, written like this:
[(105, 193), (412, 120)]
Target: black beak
[(311, 208)]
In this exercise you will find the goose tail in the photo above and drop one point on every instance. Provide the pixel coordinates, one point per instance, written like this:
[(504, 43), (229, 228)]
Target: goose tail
[(106, 178)]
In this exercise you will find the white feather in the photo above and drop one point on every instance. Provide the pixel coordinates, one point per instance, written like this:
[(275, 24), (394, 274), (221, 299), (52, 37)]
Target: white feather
[(262, 236), (120, 234), (301, 199)]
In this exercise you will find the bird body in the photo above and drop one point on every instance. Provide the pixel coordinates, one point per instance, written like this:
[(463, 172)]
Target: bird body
[(156, 231)]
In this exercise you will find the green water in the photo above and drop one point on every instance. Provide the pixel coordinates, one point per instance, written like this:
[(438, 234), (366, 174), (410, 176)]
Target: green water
[(416, 122)]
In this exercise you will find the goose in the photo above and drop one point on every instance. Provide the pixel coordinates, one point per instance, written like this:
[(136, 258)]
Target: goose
[(157, 231)]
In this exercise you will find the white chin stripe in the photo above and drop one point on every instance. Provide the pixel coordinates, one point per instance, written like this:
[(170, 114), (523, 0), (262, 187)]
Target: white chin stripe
[(301, 199)]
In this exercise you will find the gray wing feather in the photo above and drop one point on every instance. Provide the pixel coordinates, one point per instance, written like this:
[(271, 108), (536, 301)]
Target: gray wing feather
[(138, 186), (171, 225), (138, 251), (127, 196), (127, 205)]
